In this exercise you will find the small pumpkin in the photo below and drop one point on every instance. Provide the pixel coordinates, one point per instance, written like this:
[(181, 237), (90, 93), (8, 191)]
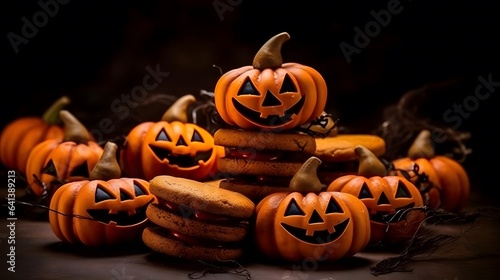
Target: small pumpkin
[(316, 225), (106, 210), (270, 94), (389, 199), (171, 146), (449, 182), (54, 162), (20, 136)]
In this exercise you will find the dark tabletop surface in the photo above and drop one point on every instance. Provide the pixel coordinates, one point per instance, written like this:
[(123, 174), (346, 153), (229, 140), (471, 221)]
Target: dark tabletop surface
[(474, 254)]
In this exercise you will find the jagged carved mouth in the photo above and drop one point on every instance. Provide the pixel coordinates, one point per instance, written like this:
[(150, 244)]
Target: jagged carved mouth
[(122, 218), (270, 120), (319, 236), (183, 161)]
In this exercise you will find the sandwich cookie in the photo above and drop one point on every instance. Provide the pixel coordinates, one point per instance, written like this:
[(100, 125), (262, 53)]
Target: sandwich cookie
[(259, 163), (197, 221)]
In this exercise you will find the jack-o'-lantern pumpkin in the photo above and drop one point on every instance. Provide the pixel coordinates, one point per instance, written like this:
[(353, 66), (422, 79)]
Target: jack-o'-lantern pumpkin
[(55, 162), (316, 225), (171, 146), (446, 183), (20, 136), (394, 203), (270, 94), (105, 210)]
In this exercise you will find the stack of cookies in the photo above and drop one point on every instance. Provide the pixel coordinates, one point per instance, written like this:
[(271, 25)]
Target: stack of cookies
[(273, 120), (261, 106), (259, 163), (197, 221)]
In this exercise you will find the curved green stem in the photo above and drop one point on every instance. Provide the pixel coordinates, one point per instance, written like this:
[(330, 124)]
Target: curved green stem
[(51, 116)]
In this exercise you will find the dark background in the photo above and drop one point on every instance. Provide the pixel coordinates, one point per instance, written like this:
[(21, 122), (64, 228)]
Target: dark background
[(95, 51)]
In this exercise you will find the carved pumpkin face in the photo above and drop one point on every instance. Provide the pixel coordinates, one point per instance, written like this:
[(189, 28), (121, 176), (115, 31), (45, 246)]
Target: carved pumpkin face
[(171, 148), (55, 163), (270, 98), (319, 221), (384, 197), (270, 94), (113, 211), (294, 226)]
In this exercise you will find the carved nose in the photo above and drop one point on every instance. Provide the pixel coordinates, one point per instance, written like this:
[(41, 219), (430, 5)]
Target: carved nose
[(270, 100), (383, 199), (315, 218), (181, 142)]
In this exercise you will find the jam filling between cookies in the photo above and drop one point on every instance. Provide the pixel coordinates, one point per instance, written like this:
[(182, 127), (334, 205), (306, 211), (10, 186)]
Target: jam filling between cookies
[(192, 214), (267, 181), (265, 155), (195, 241)]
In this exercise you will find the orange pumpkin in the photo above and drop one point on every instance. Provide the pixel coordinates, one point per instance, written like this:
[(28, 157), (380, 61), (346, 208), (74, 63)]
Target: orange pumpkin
[(105, 210), (52, 163), (389, 199), (315, 225), (20, 136), (449, 182), (270, 94), (167, 147)]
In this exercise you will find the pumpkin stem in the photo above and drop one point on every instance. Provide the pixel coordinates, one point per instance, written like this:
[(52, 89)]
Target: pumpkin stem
[(74, 130), (107, 167), (369, 164), (269, 55), (306, 178), (178, 110), (422, 146), (51, 116)]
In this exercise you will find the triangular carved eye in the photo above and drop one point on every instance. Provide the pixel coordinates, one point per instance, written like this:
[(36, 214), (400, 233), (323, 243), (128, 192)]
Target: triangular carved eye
[(125, 196), (196, 137), (248, 88), (402, 191), (138, 190), (333, 207), (81, 171), (365, 192), (101, 194), (163, 136), (293, 209), (288, 85), (50, 169)]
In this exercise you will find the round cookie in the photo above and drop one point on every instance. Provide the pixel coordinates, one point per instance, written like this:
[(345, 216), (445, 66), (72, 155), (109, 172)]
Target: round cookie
[(295, 142), (236, 167), (197, 221), (338, 157), (341, 147), (201, 196)]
